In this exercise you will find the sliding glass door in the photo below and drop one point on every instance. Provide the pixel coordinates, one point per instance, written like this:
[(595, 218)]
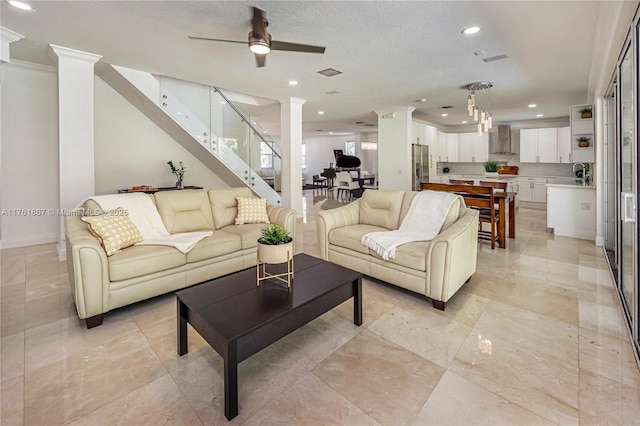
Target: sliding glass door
[(628, 191)]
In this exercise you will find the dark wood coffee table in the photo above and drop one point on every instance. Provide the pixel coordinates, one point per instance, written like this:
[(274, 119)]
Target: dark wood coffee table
[(238, 319)]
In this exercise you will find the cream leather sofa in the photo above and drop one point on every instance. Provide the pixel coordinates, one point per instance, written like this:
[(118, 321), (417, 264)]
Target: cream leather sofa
[(100, 283), (436, 268)]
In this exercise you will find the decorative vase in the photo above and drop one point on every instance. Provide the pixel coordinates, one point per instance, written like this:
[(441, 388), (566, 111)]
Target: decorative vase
[(280, 253), (179, 184), (272, 254), (583, 144), (585, 114)]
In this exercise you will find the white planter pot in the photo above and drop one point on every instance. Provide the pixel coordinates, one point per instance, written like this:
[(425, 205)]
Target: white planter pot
[(275, 254)]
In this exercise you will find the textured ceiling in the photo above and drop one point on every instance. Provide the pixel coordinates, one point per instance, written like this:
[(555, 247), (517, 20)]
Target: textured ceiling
[(391, 53)]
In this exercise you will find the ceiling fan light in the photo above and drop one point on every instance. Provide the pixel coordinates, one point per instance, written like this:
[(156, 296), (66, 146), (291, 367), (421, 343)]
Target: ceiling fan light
[(259, 47)]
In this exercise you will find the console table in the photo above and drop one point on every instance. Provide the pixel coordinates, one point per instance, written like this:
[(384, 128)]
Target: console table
[(153, 190)]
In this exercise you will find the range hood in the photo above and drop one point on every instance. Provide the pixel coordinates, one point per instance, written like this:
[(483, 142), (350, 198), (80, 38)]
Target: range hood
[(500, 140)]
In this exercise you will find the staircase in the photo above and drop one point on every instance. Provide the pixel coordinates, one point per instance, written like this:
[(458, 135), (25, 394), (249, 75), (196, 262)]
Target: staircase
[(203, 121)]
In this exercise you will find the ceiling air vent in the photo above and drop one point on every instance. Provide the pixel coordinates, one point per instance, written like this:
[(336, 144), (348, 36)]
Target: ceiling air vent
[(329, 72), (496, 58), (333, 92)]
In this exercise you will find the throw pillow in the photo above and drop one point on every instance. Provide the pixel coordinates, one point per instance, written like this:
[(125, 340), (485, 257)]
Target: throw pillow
[(252, 210), (114, 230)]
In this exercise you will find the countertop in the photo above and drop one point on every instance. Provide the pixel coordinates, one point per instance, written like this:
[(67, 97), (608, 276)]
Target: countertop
[(569, 182), (571, 185)]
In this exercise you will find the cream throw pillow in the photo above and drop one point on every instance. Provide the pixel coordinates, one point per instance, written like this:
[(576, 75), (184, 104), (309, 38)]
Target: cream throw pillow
[(114, 230), (252, 210)]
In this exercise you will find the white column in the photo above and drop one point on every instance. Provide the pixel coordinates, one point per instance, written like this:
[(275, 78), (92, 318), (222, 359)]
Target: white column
[(75, 128), (6, 38), (394, 148), (291, 143)]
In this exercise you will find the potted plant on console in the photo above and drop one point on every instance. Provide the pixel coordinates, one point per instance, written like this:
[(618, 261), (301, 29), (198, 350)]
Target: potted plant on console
[(275, 246)]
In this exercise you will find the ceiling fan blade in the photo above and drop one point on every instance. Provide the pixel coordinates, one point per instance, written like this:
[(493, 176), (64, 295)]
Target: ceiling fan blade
[(259, 23), (217, 39), (295, 47), (260, 60)]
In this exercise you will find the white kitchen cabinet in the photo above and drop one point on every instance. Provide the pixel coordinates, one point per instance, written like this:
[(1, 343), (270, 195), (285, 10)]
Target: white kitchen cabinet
[(447, 147), (418, 136), (564, 145), (532, 190), (539, 145), (473, 148), (431, 135)]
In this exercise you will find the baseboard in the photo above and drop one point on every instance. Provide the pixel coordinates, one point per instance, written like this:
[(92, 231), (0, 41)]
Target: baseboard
[(8, 243), (575, 233)]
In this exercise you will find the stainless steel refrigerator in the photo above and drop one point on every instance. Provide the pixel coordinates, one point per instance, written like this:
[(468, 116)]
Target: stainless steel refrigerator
[(420, 161)]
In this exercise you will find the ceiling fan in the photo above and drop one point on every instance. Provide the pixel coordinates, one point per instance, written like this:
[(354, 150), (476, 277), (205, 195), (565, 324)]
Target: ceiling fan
[(260, 42)]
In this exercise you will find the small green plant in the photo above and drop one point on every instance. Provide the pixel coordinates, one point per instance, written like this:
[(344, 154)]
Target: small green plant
[(491, 166), (274, 235), (585, 112), (178, 171), (583, 139)]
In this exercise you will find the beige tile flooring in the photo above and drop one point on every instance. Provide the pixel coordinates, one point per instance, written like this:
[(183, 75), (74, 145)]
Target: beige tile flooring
[(536, 337)]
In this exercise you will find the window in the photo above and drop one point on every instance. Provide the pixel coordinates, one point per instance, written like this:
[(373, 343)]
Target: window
[(350, 148), (304, 156), (266, 156)]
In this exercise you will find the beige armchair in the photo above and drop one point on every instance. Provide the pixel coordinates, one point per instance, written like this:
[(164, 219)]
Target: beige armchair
[(436, 268)]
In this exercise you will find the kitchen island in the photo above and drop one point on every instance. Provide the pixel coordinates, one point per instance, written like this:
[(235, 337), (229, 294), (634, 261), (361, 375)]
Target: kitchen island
[(571, 208)]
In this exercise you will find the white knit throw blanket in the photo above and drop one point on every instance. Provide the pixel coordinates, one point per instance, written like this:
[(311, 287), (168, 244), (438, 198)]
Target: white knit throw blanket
[(144, 215), (423, 222)]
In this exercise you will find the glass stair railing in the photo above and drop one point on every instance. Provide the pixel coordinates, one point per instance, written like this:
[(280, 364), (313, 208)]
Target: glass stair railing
[(211, 118)]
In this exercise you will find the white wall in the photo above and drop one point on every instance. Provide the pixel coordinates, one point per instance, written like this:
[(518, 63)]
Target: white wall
[(29, 144), (320, 153), (131, 150)]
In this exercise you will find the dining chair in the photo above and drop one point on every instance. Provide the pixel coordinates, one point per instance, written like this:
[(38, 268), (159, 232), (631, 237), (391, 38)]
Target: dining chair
[(319, 181), (501, 186), (495, 185), (461, 181), (476, 197), (373, 185), (346, 184)]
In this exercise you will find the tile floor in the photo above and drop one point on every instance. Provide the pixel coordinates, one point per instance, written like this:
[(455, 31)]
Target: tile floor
[(536, 337)]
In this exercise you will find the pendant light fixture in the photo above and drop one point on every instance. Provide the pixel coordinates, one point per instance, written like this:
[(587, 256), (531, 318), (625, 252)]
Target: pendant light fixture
[(478, 105)]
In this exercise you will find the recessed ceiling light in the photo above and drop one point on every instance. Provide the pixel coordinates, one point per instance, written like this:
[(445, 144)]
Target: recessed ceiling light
[(445, 115), (222, 102), (264, 131), (539, 115), (470, 30), (330, 133), (20, 5), (293, 83), (532, 105), (464, 121), (422, 100), (321, 112)]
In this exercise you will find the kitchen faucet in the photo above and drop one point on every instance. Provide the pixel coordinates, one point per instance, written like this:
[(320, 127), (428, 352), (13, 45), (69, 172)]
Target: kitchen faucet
[(585, 172)]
